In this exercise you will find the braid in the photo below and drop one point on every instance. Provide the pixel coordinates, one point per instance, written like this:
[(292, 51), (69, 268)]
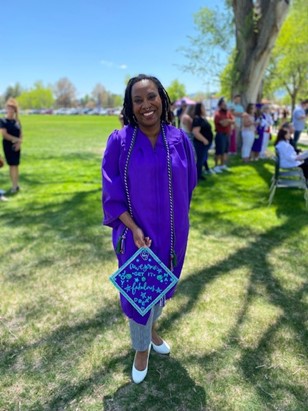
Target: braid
[(128, 105)]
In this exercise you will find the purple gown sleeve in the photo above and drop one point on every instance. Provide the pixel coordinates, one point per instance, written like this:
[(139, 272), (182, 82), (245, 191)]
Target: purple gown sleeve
[(114, 198)]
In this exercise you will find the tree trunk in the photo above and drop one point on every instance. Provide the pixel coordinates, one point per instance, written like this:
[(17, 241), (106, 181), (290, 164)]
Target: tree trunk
[(257, 26)]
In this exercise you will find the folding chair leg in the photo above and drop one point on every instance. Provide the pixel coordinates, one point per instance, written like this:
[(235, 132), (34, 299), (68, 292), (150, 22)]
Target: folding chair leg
[(306, 196), (272, 185), (272, 195)]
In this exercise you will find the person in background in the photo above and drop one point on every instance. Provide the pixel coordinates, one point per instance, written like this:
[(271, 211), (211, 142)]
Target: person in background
[(248, 131), (260, 123), (267, 130), (287, 154), (276, 114), (299, 119), (223, 121), (11, 131), (122, 119), (289, 127), (203, 137), (186, 124), (180, 111), (284, 114), (237, 111), (187, 120), (173, 113), (149, 174)]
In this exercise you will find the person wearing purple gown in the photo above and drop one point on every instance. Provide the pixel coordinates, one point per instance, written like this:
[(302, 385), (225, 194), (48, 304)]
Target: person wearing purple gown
[(149, 174), (261, 123)]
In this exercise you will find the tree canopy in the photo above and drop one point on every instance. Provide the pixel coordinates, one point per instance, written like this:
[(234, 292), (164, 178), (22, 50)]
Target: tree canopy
[(176, 90), (288, 70), (37, 98), (248, 27)]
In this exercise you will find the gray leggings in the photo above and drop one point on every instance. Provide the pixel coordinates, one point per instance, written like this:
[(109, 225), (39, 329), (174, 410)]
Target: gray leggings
[(141, 335)]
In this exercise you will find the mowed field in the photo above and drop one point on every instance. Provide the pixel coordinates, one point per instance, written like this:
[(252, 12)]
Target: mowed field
[(237, 325)]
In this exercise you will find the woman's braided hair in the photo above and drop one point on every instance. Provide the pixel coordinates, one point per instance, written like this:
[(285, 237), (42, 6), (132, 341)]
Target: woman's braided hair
[(128, 104)]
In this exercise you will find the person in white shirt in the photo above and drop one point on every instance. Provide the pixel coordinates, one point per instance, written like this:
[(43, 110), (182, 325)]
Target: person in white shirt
[(287, 154), (248, 131), (299, 119)]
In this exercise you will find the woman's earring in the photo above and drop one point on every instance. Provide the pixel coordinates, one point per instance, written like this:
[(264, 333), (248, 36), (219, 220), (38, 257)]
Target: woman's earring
[(134, 118)]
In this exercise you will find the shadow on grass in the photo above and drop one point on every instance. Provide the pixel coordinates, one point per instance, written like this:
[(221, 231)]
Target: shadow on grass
[(166, 387), (167, 380), (74, 220), (290, 304), (62, 338), (168, 383)]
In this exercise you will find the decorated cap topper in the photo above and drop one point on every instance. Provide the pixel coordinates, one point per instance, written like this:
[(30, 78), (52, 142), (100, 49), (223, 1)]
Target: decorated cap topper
[(143, 280)]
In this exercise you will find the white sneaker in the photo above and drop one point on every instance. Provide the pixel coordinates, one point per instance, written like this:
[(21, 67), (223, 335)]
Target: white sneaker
[(211, 171), (217, 170), (224, 167)]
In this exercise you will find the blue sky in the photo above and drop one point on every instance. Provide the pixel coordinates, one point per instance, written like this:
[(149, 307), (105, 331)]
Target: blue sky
[(96, 41)]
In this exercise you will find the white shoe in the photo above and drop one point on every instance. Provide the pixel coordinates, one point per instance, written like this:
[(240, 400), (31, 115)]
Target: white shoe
[(163, 348), (139, 376), (211, 171), (224, 167), (217, 170)]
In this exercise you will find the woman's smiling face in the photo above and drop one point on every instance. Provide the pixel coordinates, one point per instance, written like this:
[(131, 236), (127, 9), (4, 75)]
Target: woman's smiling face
[(147, 104)]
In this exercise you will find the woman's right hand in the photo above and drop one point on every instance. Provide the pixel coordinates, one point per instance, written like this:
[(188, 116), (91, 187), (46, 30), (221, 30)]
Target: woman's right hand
[(139, 238), (16, 145)]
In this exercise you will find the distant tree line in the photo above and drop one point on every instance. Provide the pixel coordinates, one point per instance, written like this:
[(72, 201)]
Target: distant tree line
[(62, 94)]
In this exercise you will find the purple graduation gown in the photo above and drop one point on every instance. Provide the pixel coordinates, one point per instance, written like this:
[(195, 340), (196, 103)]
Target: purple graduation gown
[(148, 188)]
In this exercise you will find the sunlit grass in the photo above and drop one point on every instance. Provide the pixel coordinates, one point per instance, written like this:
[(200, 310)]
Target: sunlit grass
[(236, 324)]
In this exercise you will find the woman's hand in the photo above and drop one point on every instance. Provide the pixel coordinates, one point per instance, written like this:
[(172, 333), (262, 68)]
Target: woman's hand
[(16, 146), (139, 238)]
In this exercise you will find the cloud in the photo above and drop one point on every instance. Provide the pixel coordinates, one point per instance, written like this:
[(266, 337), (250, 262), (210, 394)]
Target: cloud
[(111, 64)]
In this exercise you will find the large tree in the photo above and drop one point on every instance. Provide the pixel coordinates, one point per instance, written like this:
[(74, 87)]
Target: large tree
[(288, 70), (65, 93), (100, 95), (256, 24), (257, 27)]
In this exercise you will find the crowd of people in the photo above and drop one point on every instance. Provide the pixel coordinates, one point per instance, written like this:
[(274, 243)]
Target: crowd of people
[(237, 130)]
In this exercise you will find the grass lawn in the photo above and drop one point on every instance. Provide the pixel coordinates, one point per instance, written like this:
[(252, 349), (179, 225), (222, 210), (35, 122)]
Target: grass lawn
[(237, 324)]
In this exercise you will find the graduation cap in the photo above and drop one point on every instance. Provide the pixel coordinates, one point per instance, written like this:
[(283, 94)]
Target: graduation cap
[(143, 280)]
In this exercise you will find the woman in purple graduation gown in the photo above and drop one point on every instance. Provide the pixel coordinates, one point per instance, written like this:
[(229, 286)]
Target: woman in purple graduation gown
[(149, 174)]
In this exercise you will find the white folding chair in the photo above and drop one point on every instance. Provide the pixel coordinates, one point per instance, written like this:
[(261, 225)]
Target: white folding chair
[(287, 178)]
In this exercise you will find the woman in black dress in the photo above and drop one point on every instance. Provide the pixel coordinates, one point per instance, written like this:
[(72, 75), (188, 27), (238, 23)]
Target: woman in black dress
[(10, 129), (203, 137)]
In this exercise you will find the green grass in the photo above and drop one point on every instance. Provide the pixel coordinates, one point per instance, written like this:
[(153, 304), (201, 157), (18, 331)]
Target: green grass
[(237, 324)]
